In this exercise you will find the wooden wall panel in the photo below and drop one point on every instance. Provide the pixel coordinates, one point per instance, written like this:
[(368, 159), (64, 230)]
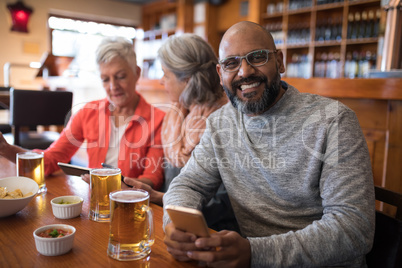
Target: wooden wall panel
[(377, 142), (394, 164)]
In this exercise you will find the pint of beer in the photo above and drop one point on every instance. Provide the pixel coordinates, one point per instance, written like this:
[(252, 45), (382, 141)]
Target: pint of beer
[(103, 181), (31, 165), (131, 225)]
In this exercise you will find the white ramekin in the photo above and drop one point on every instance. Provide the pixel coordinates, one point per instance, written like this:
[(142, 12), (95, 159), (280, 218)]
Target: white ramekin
[(54, 246), (67, 211)]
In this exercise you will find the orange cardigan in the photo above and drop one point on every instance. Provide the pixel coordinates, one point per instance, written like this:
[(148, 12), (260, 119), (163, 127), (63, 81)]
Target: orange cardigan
[(140, 152)]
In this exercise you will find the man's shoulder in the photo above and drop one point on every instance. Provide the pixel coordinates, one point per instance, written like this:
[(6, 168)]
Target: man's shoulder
[(318, 102)]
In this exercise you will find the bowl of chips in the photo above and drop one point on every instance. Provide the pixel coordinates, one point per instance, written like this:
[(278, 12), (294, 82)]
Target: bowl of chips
[(15, 194)]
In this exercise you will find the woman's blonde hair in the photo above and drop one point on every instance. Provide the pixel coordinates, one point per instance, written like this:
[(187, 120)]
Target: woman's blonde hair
[(111, 47)]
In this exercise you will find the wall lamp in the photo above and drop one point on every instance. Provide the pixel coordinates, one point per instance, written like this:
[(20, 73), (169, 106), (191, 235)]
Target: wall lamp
[(19, 16)]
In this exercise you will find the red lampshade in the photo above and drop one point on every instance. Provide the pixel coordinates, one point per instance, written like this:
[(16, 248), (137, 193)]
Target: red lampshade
[(20, 16)]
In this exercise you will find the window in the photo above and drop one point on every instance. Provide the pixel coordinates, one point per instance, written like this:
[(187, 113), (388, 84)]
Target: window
[(79, 39)]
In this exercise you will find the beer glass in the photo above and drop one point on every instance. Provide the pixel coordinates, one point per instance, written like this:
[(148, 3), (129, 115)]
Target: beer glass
[(31, 165), (131, 225), (103, 182)]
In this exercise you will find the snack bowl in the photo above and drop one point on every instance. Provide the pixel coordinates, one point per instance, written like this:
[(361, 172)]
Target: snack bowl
[(67, 207), (27, 186), (54, 246)]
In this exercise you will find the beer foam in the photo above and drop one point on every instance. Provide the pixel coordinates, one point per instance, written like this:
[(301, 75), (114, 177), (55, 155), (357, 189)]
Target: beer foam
[(105, 171), (128, 196), (30, 156)]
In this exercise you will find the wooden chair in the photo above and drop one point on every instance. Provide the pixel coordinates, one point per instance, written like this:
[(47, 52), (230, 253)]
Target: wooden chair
[(32, 108), (387, 247)]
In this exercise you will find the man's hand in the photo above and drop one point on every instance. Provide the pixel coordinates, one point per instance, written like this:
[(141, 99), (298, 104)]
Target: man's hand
[(232, 250), (179, 243), (223, 249)]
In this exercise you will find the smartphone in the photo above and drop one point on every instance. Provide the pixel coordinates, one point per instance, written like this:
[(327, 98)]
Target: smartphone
[(73, 169), (188, 220)]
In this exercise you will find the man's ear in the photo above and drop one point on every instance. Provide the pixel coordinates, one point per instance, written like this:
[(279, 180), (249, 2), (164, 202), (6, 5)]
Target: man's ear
[(219, 69), (279, 62)]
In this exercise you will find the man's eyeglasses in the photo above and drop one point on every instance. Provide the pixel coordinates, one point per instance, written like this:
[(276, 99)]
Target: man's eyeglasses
[(254, 58)]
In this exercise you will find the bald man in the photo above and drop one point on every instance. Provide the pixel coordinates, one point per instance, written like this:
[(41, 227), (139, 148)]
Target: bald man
[(296, 168)]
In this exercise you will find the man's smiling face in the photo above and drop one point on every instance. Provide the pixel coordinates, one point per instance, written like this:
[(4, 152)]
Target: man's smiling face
[(251, 89)]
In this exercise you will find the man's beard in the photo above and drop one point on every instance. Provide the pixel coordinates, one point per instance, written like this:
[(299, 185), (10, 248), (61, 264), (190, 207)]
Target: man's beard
[(261, 105)]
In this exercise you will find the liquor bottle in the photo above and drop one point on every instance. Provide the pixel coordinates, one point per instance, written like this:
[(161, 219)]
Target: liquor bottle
[(317, 65), (377, 24), (337, 57), (305, 34), (370, 24), (356, 26), (322, 27), (361, 64), (332, 65), (348, 62), (366, 65), (327, 33), (362, 27), (350, 25), (334, 29), (339, 25), (353, 65), (320, 65), (318, 30)]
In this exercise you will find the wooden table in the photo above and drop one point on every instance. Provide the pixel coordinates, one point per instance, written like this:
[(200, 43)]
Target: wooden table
[(17, 245)]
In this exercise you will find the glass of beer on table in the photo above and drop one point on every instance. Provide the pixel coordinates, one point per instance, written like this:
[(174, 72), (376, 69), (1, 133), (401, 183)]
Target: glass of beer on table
[(103, 181), (31, 165), (131, 225)]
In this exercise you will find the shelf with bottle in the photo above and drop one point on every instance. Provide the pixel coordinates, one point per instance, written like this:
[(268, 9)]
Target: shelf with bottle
[(328, 63), (298, 30), (328, 29), (159, 19), (359, 63), (299, 4), (364, 24), (274, 8), (158, 34), (298, 63), (275, 27), (310, 30)]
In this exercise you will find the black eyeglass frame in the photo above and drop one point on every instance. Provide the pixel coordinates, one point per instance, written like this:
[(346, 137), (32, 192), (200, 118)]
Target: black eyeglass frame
[(245, 57)]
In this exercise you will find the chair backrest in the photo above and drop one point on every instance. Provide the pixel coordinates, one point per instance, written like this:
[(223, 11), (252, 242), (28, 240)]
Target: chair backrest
[(33, 107), (387, 246), (4, 98)]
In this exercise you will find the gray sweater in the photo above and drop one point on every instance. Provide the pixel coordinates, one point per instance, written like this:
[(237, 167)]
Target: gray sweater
[(299, 179)]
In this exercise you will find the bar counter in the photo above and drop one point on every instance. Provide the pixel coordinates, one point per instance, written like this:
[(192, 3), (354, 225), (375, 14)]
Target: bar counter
[(90, 243)]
